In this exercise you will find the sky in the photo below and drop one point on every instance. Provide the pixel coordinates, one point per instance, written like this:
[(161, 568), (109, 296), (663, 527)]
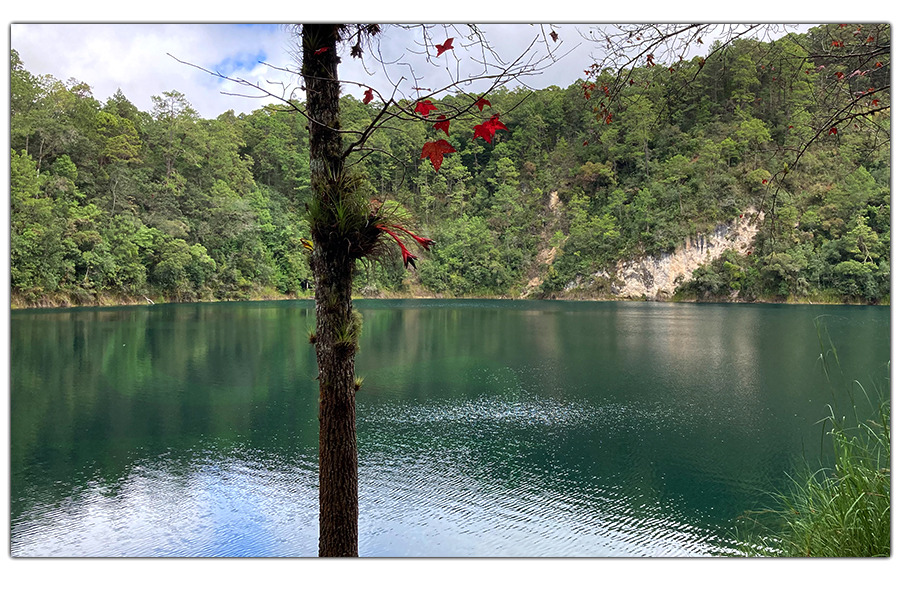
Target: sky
[(140, 59)]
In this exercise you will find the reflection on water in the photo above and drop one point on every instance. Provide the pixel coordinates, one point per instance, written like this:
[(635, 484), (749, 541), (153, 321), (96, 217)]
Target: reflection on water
[(486, 428)]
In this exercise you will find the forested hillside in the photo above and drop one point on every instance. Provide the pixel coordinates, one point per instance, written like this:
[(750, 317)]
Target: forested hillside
[(110, 203)]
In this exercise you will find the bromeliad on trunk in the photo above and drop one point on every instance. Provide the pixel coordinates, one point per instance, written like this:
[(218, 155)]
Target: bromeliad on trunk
[(361, 226), (408, 257)]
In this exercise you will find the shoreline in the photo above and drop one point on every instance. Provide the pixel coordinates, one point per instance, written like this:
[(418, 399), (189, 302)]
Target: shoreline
[(17, 302)]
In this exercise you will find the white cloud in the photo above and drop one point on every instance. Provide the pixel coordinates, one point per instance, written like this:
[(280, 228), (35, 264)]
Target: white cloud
[(134, 57)]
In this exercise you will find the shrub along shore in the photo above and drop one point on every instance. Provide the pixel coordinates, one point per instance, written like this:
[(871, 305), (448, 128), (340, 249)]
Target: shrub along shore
[(111, 204)]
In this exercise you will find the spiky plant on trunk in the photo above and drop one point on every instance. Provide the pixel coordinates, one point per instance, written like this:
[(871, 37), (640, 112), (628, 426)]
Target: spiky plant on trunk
[(345, 226), (331, 214)]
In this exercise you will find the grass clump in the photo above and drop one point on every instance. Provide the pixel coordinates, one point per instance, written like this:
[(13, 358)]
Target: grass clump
[(842, 510)]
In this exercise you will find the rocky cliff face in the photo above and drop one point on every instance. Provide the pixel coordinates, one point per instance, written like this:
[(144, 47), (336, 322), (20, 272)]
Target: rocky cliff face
[(655, 277)]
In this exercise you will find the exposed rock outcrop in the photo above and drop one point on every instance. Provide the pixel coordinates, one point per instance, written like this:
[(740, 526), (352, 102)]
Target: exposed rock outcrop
[(656, 277), (548, 253)]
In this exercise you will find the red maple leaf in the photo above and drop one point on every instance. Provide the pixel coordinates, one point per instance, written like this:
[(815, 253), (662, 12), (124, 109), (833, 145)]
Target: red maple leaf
[(320, 51), (875, 102), (482, 102), (435, 150), (650, 60), (489, 128), (367, 97), (840, 75), (870, 39), (443, 124), (765, 181), (447, 45), (424, 107), (554, 36), (832, 131)]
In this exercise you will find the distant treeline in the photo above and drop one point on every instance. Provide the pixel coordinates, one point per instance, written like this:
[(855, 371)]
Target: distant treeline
[(110, 201)]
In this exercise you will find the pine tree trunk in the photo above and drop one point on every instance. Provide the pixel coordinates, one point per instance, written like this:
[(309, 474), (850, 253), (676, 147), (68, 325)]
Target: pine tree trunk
[(332, 268)]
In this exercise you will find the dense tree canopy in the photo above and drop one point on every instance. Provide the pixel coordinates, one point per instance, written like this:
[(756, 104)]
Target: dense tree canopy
[(107, 200)]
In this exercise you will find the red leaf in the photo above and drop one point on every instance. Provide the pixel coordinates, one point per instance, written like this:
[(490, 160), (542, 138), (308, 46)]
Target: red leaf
[(878, 64), (585, 143), (443, 124), (837, 43), (554, 36), (447, 45), (840, 75), (870, 39), (435, 150), (765, 181), (367, 97), (320, 51), (608, 118), (842, 26), (875, 102), (482, 102), (790, 126), (489, 128), (483, 131), (650, 60), (424, 107), (832, 131)]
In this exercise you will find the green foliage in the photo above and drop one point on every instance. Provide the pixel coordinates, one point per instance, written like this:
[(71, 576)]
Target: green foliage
[(839, 510), (101, 192), (468, 260)]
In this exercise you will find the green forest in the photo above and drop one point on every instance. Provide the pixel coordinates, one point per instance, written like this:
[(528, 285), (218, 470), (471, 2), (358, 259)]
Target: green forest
[(112, 204)]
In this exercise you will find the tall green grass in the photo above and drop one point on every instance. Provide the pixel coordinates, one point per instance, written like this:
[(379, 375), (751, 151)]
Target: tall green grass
[(842, 510)]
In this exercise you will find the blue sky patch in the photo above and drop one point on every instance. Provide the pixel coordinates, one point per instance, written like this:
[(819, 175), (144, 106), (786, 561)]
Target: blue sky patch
[(239, 61)]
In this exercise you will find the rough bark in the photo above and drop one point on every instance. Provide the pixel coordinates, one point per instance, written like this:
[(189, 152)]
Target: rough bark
[(336, 331)]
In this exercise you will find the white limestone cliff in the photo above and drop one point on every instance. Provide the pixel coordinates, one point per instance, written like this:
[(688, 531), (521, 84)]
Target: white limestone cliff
[(656, 277)]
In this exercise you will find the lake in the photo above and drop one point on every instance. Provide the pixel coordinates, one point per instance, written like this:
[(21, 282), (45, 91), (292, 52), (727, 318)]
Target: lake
[(486, 428)]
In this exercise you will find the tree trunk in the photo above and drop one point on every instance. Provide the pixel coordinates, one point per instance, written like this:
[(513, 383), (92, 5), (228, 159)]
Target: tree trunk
[(336, 328)]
